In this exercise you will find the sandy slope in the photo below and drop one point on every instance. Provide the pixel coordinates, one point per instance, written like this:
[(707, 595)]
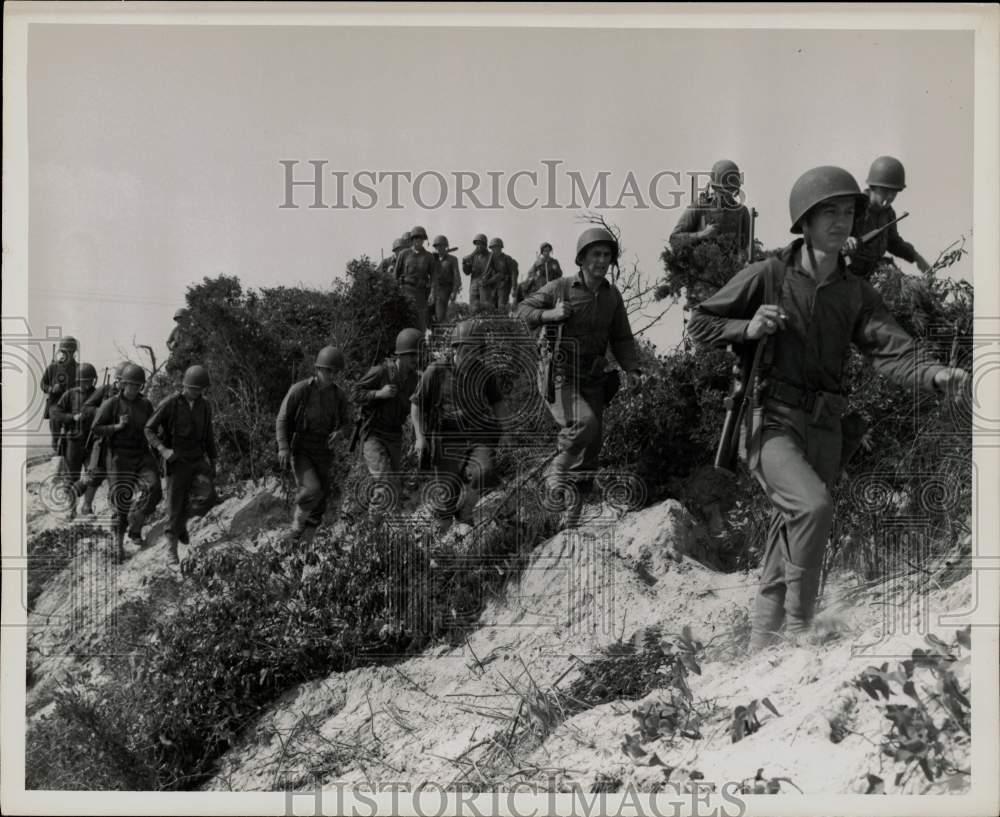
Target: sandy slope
[(435, 717)]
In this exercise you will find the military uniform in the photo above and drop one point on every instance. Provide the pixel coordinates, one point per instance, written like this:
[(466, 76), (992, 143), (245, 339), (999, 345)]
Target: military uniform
[(475, 265), (133, 477), (507, 278), (798, 455), (308, 415), (383, 419), (186, 428), (866, 257), (731, 218), (457, 404), (75, 433), (57, 379), (447, 279), (547, 269), (598, 320), (415, 271)]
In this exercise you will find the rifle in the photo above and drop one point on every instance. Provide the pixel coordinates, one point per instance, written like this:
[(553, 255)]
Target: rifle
[(872, 233), (107, 378), (753, 231), (549, 341)]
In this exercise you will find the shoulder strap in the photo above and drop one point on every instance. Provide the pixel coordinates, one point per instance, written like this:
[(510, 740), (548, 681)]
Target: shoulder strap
[(301, 410), (774, 283)]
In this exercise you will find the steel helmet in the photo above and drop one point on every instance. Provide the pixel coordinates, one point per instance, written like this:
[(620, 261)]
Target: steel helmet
[(86, 372), (418, 232), (466, 333), (120, 369), (887, 172), (405, 238), (330, 357), (479, 238), (133, 374), (544, 245), (818, 185), (409, 341), (440, 241), (197, 376), (726, 174), (398, 244), (595, 235), (496, 242), (179, 314), (67, 343)]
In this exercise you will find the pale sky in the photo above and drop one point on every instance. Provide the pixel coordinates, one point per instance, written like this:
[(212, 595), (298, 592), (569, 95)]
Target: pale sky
[(154, 151)]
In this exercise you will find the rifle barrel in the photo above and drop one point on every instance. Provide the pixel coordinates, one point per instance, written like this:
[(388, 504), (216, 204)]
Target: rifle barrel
[(872, 233)]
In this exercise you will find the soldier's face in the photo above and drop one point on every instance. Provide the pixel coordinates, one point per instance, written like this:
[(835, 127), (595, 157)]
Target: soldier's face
[(192, 392), (62, 356), (418, 243), (546, 251), (407, 363), (131, 390), (829, 225), (324, 375), (480, 246), (881, 197), (597, 260)]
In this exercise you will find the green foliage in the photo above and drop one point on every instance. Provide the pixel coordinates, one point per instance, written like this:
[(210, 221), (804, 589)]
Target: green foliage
[(915, 738)]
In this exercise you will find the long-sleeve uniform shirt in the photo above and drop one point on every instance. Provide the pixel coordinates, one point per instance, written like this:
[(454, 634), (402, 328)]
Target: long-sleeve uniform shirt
[(867, 255), (447, 278), (311, 414), (458, 399), (732, 220), (57, 379), (132, 438), (71, 403), (384, 417), (184, 427), (598, 320), (474, 264), (417, 269), (810, 353)]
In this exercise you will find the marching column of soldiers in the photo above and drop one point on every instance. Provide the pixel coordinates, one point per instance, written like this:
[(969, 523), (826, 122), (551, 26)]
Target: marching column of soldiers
[(804, 307)]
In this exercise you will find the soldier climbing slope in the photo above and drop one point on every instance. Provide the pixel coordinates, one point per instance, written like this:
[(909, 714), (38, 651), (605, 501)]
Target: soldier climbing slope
[(816, 309), (313, 416), (383, 397), (446, 284), (456, 425), (886, 178), (718, 212), (415, 269), (181, 430), (505, 270), (583, 316), (59, 377), (74, 424), (133, 478)]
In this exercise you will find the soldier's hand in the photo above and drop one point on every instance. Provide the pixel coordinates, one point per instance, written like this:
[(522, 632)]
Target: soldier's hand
[(76, 417), (284, 459), (955, 384), (387, 391), (421, 449), (709, 231), (922, 264), (851, 245), (560, 312), (122, 423), (168, 454), (768, 320)]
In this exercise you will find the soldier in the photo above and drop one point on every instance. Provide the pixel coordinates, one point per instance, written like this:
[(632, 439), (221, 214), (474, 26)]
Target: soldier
[(456, 425), (387, 264), (718, 213), (174, 336), (474, 265), (59, 377), (313, 416), (545, 269), (96, 473), (383, 396), (133, 478), (586, 314), (415, 270), (181, 430), (505, 269), (447, 283), (795, 448), (74, 428), (885, 179)]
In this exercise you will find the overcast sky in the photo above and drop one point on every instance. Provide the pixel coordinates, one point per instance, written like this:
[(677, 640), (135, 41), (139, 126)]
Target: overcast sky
[(155, 151)]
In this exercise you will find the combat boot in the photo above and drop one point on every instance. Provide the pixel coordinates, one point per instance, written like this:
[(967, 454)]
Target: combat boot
[(172, 557), (87, 508), (119, 551)]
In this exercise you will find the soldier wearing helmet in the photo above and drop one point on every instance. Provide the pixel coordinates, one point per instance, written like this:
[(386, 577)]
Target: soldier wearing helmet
[(181, 430), (812, 309), (313, 416), (74, 429), (545, 269), (96, 472), (502, 272), (383, 398), (415, 270), (718, 212), (58, 378), (174, 337), (456, 424), (583, 317), (387, 264), (133, 477), (886, 178), (447, 282), (475, 266)]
